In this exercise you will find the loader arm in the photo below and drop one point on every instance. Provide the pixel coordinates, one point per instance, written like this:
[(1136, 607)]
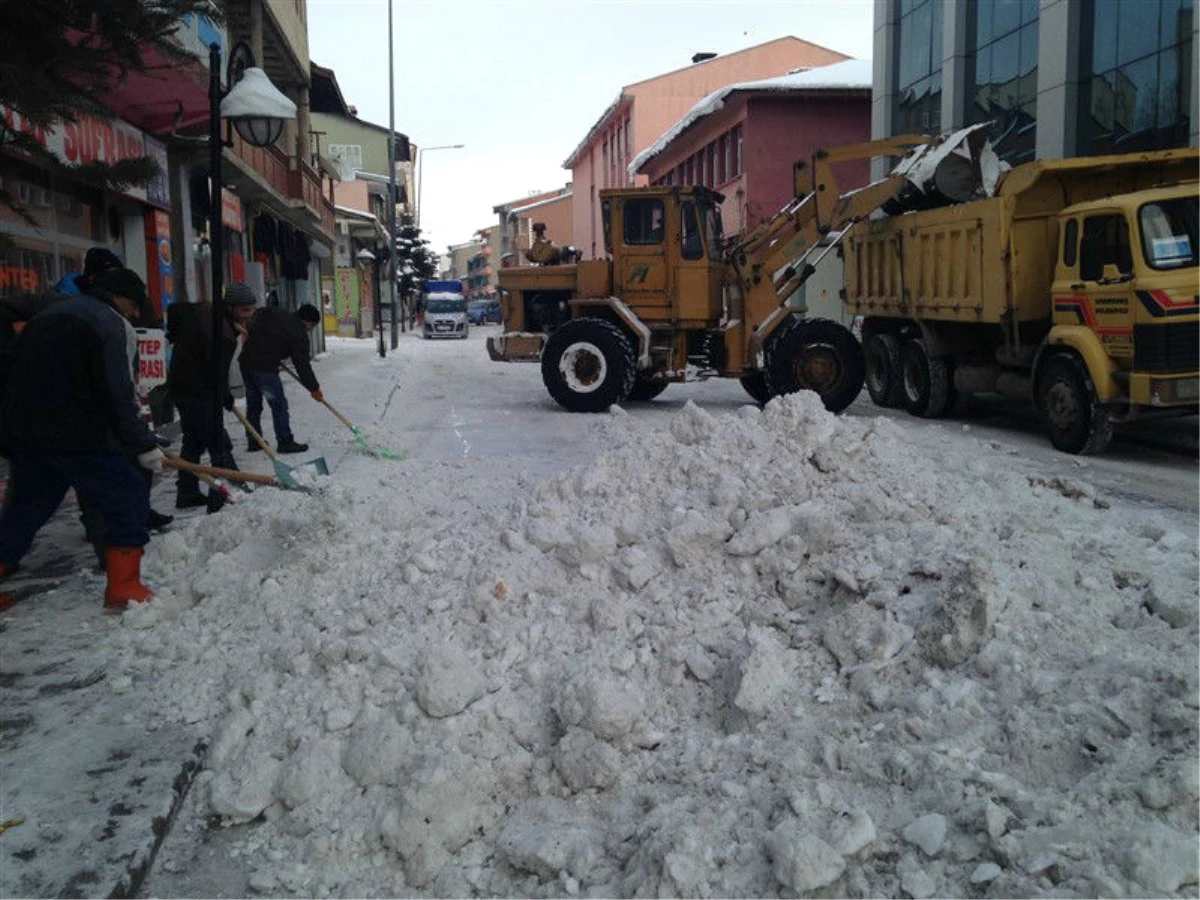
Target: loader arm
[(772, 261)]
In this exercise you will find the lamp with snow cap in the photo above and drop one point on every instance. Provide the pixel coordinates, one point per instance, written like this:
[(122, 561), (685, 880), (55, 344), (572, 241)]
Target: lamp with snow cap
[(257, 110)]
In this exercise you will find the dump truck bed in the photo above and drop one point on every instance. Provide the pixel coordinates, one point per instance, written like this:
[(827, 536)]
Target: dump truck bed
[(978, 262)]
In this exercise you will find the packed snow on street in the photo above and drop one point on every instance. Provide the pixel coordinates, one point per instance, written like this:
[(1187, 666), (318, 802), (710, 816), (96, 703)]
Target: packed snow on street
[(690, 648)]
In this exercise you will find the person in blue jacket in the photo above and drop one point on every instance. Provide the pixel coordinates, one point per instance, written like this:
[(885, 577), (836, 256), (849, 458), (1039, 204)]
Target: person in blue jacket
[(97, 260)]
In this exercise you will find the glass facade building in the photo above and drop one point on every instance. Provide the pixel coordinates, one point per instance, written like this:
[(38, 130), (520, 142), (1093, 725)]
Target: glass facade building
[(1057, 78)]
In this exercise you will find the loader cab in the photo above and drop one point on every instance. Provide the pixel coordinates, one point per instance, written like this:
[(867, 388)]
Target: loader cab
[(666, 246)]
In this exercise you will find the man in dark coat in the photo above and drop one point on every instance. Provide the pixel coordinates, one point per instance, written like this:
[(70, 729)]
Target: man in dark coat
[(70, 419), (276, 335), (191, 384)]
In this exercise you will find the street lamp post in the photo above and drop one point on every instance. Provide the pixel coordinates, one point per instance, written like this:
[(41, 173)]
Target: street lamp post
[(257, 109)]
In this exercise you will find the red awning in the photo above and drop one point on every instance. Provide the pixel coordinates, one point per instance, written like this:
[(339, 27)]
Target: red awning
[(165, 97)]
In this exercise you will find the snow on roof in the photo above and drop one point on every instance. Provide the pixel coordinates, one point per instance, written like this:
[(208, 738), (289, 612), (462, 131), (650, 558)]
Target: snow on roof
[(851, 74)]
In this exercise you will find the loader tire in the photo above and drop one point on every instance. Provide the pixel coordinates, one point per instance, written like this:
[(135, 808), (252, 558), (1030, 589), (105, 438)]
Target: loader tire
[(646, 389), (588, 365), (885, 381), (925, 381), (1077, 421), (817, 355), (755, 385)]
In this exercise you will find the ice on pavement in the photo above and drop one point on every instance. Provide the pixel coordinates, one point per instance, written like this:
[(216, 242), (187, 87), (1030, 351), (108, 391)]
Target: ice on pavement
[(764, 653)]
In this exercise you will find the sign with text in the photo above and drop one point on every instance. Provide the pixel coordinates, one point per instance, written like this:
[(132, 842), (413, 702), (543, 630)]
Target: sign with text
[(152, 358), (91, 139)]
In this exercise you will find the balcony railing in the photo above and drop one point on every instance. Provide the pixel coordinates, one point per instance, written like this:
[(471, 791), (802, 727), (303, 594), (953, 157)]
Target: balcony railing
[(302, 183)]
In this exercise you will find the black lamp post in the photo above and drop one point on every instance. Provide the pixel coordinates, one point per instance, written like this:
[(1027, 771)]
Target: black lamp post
[(257, 109)]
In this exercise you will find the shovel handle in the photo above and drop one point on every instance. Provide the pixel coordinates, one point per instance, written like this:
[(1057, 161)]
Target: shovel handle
[(174, 462), (251, 430), (343, 419), (328, 405)]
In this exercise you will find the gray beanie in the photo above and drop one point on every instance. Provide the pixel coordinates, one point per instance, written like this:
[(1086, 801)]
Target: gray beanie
[(239, 294)]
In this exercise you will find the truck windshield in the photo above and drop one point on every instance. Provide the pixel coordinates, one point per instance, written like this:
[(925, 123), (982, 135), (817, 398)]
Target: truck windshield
[(1169, 232), (440, 305)]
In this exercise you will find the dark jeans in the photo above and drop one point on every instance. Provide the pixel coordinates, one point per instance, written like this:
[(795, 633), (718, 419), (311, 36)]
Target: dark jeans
[(39, 481), (92, 519), (270, 386), (196, 420)]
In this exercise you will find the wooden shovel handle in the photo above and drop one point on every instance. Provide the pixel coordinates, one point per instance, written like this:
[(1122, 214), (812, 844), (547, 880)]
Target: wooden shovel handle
[(257, 437), (328, 405), (174, 462)]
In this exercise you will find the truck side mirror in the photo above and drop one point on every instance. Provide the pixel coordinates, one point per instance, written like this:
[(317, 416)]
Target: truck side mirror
[(1091, 256)]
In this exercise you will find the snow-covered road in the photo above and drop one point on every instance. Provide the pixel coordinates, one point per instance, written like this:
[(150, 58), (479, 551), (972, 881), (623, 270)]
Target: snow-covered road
[(686, 649)]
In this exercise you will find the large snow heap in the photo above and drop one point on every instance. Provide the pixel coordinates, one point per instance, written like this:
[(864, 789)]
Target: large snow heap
[(762, 654)]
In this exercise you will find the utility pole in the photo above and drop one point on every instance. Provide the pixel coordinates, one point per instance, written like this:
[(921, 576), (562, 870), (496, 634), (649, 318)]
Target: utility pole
[(391, 256)]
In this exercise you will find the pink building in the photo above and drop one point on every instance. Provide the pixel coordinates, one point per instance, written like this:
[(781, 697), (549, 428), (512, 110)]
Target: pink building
[(643, 111), (743, 139)]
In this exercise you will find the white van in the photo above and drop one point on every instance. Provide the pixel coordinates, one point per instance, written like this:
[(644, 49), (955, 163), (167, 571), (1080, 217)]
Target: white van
[(446, 316)]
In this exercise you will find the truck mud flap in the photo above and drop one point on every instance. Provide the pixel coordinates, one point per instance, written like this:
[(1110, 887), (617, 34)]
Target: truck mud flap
[(516, 347)]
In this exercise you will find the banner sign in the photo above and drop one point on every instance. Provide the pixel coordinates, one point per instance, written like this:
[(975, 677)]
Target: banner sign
[(90, 139)]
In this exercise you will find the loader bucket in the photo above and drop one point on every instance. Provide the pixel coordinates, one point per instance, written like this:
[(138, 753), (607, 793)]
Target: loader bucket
[(957, 168)]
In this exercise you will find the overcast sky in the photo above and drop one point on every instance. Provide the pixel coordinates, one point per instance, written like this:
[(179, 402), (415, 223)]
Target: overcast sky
[(520, 83)]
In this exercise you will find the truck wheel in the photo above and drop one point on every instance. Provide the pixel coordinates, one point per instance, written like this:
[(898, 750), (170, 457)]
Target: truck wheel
[(925, 381), (646, 389), (756, 386), (588, 365), (817, 355), (1076, 420), (885, 382)]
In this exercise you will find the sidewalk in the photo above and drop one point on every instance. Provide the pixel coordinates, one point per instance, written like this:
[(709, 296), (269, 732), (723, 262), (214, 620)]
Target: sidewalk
[(76, 836)]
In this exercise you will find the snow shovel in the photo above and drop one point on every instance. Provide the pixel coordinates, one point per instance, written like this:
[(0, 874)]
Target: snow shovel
[(218, 494), (215, 472), (359, 438), (283, 472)]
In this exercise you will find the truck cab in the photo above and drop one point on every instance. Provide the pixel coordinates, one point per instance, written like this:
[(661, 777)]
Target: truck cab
[(1125, 294)]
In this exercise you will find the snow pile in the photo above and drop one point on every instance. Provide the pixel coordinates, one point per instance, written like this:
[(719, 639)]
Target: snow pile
[(752, 655)]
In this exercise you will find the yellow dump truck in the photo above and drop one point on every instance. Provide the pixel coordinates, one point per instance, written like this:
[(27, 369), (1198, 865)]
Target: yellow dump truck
[(1074, 285)]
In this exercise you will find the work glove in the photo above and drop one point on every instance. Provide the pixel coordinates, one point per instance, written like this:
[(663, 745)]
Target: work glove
[(228, 404), (151, 460), (318, 396)]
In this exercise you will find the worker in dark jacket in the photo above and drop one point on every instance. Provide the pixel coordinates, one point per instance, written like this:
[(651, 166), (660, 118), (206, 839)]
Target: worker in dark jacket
[(276, 335), (191, 384), (70, 417)]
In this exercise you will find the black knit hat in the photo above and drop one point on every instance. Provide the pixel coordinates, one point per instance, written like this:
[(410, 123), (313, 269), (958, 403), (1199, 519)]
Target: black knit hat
[(308, 313), (121, 283), (98, 259), (239, 294)]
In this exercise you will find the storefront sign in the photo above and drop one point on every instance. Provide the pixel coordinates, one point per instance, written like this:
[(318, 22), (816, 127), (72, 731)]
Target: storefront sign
[(152, 358), (90, 139), (231, 209), (346, 296)]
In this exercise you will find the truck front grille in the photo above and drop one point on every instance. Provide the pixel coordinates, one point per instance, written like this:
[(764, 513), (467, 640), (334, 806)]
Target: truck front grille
[(1166, 348)]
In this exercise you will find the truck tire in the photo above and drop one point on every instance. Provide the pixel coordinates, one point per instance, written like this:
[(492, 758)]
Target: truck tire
[(646, 389), (588, 365), (925, 380), (884, 376), (1077, 421), (755, 384), (817, 355)]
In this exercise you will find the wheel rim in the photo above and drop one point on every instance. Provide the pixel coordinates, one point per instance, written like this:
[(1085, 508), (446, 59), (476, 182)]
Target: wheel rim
[(818, 368), (583, 367), (916, 385), (1062, 406), (876, 375)]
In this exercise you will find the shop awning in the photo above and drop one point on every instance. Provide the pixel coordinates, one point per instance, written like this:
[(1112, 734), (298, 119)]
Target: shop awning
[(168, 95)]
